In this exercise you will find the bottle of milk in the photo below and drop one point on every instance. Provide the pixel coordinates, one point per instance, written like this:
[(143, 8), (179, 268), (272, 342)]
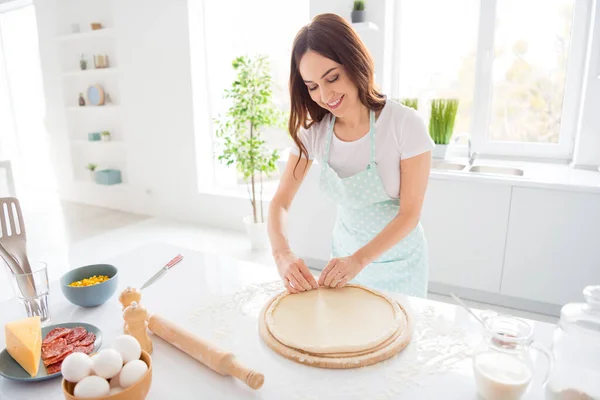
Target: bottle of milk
[(576, 348), (502, 364)]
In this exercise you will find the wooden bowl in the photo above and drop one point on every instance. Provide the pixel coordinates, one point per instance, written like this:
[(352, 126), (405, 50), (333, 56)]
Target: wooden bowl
[(138, 391)]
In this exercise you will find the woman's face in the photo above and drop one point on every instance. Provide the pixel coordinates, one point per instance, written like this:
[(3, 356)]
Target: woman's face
[(328, 83)]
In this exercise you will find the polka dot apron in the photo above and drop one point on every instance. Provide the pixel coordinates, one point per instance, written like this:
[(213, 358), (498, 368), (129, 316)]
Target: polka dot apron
[(364, 209)]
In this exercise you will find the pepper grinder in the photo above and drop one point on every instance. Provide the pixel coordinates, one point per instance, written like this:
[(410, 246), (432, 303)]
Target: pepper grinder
[(135, 316), (128, 296)]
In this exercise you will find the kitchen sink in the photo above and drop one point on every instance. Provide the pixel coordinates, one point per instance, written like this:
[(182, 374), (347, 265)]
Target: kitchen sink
[(487, 169), (447, 166)]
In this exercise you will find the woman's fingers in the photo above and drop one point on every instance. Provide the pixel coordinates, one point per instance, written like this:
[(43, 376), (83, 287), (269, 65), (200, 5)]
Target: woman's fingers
[(294, 282), (289, 287), (308, 275), (330, 265), (331, 274), (340, 280), (304, 285)]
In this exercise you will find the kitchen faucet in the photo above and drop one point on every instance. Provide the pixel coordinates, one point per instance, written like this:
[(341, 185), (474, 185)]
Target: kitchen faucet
[(471, 155)]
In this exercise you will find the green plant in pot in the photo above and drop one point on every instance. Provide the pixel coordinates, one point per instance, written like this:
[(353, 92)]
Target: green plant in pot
[(83, 63), (358, 11), (92, 167), (441, 124), (239, 136), (411, 102)]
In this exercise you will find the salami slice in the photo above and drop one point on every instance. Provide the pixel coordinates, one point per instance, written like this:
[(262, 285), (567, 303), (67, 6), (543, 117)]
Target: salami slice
[(84, 349), (54, 348), (54, 368), (90, 338), (76, 335), (56, 333), (66, 351)]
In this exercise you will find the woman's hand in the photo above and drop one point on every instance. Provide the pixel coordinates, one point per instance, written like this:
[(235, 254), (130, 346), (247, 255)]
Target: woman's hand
[(340, 271), (295, 274)]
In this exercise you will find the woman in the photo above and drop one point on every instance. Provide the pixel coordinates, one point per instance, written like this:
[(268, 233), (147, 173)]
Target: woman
[(375, 157)]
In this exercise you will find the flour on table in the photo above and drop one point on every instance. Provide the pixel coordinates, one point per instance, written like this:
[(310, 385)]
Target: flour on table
[(219, 312), (437, 346)]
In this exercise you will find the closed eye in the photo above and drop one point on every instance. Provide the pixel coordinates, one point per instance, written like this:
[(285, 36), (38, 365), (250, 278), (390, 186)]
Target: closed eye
[(313, 88)]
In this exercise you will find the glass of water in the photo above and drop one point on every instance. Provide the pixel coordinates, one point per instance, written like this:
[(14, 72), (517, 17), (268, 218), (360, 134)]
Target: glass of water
[(32, 290)]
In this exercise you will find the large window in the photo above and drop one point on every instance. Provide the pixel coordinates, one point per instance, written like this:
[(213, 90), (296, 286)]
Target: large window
[(240, 27), (514, 65)]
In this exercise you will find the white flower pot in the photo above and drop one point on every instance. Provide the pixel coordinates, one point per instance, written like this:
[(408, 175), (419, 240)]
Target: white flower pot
[(257, 233), (440, 151)]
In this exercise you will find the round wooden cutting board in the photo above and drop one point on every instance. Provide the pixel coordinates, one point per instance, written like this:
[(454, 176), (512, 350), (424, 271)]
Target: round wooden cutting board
[(396, 343)]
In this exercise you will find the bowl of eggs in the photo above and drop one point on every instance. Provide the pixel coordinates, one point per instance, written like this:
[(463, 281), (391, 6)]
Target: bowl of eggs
[(90, 285), (123, 372)]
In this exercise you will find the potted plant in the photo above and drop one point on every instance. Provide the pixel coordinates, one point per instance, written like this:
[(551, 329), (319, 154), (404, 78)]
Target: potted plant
[(441, 124), (92, 167), (358, 11), (239, 136), (105, 136), (83, 63), (411, 102)]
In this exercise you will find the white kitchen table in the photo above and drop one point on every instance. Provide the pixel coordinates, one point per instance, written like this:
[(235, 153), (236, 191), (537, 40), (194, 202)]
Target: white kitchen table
[(219, 299)]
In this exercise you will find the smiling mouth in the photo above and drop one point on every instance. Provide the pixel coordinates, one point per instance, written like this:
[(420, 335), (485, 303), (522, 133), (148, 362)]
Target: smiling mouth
[(335, 104)]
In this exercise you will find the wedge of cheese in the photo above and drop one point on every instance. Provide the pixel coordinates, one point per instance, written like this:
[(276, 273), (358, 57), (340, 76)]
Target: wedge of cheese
[(24, 343)]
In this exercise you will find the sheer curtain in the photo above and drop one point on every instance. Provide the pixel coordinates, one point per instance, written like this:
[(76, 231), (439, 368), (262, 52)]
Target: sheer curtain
[(23, 137)]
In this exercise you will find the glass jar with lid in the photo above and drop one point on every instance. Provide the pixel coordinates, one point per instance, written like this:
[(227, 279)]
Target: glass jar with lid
[(576, 349)]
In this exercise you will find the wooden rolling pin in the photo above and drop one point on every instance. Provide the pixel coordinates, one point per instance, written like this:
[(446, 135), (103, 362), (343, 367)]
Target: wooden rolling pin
[(222, 362)]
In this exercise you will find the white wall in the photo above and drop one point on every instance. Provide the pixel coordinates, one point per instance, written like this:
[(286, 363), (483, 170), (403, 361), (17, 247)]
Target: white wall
[(158, 116), (378, 43)]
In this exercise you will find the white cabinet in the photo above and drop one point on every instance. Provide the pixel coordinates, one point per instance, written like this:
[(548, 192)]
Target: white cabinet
[(553, 245), (465, 225)]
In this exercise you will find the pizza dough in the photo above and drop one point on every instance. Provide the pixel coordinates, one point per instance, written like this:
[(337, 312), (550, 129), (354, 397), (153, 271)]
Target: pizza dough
[(323, 321)]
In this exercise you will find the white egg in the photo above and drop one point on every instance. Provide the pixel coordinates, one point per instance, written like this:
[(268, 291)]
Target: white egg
[(107, 363), (91, 386), (76, 367), (129, 348), (114, 381), (115, 390), (132, 372)]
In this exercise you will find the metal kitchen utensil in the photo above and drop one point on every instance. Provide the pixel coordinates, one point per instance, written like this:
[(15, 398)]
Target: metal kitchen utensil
[(14, 242), (13, 237), (463, 305), (10, 261), (162, 271)]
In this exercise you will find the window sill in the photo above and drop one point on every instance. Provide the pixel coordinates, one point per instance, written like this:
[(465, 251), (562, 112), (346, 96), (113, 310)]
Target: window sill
[(536, 174)]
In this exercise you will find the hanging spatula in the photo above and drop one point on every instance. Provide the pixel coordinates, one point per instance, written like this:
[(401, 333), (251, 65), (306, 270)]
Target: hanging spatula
[(14, 243), (14, 239)]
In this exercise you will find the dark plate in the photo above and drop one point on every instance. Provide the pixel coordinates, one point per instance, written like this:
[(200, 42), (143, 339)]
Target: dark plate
[(10, 369)]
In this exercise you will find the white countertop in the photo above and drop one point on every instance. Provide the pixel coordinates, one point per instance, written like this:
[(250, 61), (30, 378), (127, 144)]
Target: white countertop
[(536, 174), (219, 299)]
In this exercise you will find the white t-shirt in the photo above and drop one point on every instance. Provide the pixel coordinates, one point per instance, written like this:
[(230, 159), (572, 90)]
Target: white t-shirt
[(400, 133)]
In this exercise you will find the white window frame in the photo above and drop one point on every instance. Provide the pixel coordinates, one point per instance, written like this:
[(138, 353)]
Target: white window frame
[(482, 96)]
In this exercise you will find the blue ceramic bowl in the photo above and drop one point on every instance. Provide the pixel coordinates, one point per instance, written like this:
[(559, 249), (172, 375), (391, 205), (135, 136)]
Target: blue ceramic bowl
[(89, 296)]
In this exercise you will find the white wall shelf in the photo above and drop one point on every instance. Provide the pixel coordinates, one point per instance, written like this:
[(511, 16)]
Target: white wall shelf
[(365, 26), (99, 143), (91, 72), (96, 34), (89, 108)]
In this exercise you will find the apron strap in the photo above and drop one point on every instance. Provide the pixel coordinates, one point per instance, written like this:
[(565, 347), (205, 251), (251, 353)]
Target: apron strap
[(328, 140), (372, 134)]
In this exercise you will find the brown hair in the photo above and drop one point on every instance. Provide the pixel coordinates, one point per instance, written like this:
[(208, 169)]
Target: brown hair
[(333, 37)]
